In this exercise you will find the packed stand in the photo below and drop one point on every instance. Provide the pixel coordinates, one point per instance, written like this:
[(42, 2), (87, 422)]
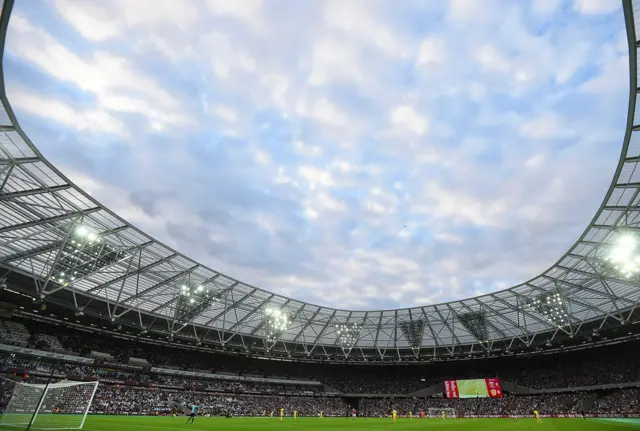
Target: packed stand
[(618, 402), (611, 364), (116, 400)]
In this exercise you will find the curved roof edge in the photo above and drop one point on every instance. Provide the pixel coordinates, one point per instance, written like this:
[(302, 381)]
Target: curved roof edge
[(126, 277)]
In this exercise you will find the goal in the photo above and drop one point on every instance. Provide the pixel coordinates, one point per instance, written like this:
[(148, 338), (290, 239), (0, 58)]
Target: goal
[(437, 412), (62, 405)]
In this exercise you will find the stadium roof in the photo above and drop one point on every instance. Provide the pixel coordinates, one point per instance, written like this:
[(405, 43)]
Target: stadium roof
[(76, 250)]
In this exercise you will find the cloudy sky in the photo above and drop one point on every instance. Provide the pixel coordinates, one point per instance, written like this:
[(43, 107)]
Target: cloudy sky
[(360, 154)]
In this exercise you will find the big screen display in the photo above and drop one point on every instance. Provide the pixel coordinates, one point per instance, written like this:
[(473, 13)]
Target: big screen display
[(477, 388)]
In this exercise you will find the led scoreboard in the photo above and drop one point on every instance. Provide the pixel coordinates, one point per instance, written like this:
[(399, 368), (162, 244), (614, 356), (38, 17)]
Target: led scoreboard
[(478, 388)]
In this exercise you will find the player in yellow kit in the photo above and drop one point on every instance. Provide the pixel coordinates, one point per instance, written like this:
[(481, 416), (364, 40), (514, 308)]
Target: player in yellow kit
[(295, 414), (271, 414), (320, 413), (410, 414), (444, 416), (537, 415), (281, 414), (395, 415), (264, 413)]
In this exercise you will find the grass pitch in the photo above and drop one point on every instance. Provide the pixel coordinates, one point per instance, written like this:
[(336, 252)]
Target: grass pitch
[(128, 423)]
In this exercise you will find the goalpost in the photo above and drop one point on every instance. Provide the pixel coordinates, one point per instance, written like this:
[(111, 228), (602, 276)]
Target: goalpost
[(62, 405), (437, 412)]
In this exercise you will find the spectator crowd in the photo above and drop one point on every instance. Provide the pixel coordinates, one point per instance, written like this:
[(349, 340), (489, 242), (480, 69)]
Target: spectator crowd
[(138, 389)]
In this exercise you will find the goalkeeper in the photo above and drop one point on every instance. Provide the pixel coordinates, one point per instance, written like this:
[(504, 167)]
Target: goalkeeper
[(192, 416)]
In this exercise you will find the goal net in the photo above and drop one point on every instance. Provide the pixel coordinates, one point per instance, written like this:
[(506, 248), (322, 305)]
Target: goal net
[(62, 405), (438, 412)]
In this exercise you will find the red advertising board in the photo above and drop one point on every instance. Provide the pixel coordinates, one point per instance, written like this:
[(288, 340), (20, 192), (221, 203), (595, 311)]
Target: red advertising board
[(451, 389), (493, 388)]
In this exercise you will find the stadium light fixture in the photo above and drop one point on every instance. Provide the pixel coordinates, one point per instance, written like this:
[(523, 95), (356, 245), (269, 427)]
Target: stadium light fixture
[(413, 331), (193, 299), (348, 334), (624, 256), (276, 322), (551, 306), (82, 253)]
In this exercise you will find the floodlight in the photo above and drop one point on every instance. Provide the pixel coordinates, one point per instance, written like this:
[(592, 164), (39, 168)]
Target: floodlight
[(347, 334), (193, 300), (624, 256), (276, 322), (476, 323), (551, 307)]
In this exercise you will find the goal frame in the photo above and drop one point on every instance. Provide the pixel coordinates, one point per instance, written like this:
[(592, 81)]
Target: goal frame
[(43, 396), (436, 412)]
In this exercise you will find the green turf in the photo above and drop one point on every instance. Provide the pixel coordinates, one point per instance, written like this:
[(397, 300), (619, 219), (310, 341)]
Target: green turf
[(127, 423)]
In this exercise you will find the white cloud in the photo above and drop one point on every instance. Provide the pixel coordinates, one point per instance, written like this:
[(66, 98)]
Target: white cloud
[(316, 177), (407, 118), (545, 127), (102, 21), (334, 61), (596, 7), (545, 7), (91, 120), (307, 150), (447, 202), (432, 50), (535, 162), (261, 157), (491, 60), (93, 22), (246, 10), (112, 79), (227, 59), (226, 113), (367, 28), (324, 111)]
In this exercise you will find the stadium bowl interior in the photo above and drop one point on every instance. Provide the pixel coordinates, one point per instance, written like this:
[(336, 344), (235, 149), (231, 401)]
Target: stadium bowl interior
[(62, 249), (98, 317)]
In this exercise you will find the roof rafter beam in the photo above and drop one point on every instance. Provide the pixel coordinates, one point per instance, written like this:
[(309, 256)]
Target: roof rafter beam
[(161, 284), (615, 227), (502, 334), (512, 322), (151, 289), (31, 192), (324, 328), (19, 161), (523, 310), (588, 289), (595, 276), (446, 323), (233, 304), (306, 325), (54, 219), (251, 313), (33, 252), (132, 273)]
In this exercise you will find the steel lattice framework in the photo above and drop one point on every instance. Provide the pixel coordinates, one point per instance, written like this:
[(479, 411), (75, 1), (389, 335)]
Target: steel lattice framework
[(61, 243)]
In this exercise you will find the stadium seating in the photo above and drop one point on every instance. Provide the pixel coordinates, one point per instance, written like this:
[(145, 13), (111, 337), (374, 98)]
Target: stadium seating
[(138, 389), (14, 333)]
